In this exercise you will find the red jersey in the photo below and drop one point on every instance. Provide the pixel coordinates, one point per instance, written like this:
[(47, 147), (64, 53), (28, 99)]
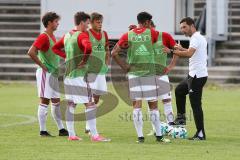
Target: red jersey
[(168, 40), (83, 43), (42, 42), (98, 36)]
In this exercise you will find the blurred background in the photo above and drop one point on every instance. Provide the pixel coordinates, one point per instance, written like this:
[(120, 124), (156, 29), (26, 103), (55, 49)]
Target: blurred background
[(218, 20)]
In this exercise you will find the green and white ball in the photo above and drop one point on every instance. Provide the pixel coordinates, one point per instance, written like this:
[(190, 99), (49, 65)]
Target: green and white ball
[(179, 132), (166, 129)]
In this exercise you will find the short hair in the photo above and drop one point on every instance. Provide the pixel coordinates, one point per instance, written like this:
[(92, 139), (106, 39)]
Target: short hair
[(152, 24), (142, 17), (80, 17), (188, 20), (49, 16), (96, 16)]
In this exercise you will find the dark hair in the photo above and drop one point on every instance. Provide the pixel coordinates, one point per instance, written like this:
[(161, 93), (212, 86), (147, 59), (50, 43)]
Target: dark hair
[(142, 17), (96, 16), (152, 24), (80, 16), (188, 20), (49, 16)]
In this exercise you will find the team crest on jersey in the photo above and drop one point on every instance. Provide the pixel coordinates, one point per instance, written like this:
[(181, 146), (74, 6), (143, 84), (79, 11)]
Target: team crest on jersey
[(140, 38)]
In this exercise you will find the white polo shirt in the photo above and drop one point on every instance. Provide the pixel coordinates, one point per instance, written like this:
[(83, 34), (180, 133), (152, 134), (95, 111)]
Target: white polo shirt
[(198, 61)]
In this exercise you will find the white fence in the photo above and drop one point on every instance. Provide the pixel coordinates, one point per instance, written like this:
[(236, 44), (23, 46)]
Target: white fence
[(118, 14)]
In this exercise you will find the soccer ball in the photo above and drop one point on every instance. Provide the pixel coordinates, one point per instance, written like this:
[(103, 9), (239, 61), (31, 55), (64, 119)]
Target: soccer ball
[(179, 132), (166, 129)]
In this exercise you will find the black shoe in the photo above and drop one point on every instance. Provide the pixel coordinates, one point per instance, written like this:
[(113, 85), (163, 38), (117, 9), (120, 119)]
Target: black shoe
[(171, 123), (63, 132), (180, 120), (140, 140), (197, 138), (162, 139), (45, 134), (87, 131)]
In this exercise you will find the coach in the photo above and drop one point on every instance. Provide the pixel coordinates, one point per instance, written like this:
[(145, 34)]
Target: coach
[(196, 79)]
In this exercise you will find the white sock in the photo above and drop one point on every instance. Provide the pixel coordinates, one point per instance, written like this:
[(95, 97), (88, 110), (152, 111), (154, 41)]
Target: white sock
[(200, 134), (91, 119), (138, 121), (155, 118), (70, 119), (153, 127), (87, 125), (42, 116), (56, 114), (168, 111)]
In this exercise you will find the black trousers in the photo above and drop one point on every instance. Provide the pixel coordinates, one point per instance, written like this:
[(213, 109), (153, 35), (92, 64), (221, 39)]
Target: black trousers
[(194, 87)]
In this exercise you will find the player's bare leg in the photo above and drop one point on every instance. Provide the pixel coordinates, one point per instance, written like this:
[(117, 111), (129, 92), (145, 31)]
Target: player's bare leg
[(96, 98)]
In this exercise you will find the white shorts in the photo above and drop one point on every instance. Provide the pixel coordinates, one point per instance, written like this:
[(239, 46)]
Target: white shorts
[(168, 95), (78, 90), (47, 85), (97, 83), (147, 88)]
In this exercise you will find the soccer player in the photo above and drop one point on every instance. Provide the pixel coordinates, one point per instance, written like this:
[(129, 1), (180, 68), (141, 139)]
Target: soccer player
[(99, 59), (141, 74), (47, 74), (165, 39), (196, 79), (78, 48)]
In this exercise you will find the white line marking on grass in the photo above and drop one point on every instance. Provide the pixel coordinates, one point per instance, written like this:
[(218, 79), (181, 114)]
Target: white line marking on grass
[(30, 119)]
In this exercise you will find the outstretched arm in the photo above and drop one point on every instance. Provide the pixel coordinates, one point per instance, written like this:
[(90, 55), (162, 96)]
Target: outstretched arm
[(58, 48), (181, 53), (186, 53)]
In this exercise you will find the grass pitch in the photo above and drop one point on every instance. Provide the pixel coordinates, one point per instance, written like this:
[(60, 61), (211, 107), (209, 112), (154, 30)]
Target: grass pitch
[(19, 131)]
